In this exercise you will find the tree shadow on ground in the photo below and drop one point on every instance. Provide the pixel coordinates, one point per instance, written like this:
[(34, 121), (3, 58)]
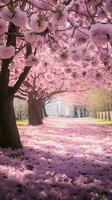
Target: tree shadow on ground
[(49, 176)]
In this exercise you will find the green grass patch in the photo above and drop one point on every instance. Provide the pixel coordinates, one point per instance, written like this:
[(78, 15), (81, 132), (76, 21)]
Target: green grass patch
[(105, 122), (22, 122)]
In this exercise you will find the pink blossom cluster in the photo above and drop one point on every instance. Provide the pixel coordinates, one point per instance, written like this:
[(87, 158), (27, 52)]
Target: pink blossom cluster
[(6, 52), (76, 34), (16, 16)]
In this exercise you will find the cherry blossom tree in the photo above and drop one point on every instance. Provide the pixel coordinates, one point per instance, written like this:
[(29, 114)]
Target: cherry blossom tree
[(43, 82), (79, 31), (46, 81), (11, 21), (21, 24)]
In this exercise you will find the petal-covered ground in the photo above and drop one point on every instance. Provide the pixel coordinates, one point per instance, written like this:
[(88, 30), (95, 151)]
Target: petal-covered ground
[(64, 159)]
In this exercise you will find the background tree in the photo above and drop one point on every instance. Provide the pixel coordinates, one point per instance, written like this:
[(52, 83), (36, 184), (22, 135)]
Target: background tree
[(42, 83)]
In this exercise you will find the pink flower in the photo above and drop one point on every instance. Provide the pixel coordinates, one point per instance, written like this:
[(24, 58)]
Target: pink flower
[(38, 23), (54, 1), (68, 70), (93, 2), (101, 13), (17, 17), (31, 60), (3, 26), (20, 17), (87, 57), (99, 33), (32, 37), (108, 5), (81, 36), (6, 52), (1, 38), (76, 53), (59, 14), (6, 14), (5, 1), (41, 4), (49, 77), (64, 55)]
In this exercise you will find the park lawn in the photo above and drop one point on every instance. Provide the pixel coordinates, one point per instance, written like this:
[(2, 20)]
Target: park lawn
[(104, 122), (97, 121), (22, 122)]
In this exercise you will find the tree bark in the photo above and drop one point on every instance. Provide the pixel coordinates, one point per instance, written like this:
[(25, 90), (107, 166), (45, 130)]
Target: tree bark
[(75, 112), (35, 112), (44, 110), (108, 112), (9, 135)]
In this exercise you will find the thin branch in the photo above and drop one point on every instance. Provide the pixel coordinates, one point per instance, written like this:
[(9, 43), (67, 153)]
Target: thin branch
[(25, 72)]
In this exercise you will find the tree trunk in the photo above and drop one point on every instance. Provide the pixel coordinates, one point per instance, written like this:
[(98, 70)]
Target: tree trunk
[(109, 117), (75, 112), (94, 114), (44, 110), (9, 135), (35, 112), (102, 113), (108, 112)]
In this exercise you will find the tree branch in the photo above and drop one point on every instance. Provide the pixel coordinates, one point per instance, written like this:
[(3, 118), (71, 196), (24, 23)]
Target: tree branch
[(25, 72)]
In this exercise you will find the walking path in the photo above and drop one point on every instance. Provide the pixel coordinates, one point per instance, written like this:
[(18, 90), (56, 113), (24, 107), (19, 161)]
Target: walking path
[(64, 159)]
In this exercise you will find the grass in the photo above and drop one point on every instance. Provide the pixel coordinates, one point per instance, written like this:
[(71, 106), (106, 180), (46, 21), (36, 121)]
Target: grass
[(105, 122), (22, 122)]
